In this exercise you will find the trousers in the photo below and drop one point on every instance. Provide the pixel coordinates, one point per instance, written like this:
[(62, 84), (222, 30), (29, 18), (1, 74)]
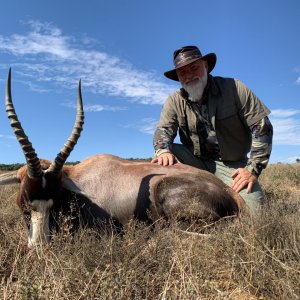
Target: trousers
[(221, 169)]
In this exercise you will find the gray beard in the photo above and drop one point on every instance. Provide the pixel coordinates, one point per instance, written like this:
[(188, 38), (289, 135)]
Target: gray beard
[(196, 90)]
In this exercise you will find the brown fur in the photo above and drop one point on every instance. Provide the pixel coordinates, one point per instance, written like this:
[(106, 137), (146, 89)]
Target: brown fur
[(126, 189), (123, 190)]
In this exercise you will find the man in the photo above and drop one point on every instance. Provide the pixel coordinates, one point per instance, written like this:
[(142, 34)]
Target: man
[(219, 121)]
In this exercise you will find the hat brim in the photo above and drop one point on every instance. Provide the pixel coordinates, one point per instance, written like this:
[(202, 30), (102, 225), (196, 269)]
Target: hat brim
[(211, 59)]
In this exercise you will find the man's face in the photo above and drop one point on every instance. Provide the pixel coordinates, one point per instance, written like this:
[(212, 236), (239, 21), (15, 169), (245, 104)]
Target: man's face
[(193, 78), (192, 72)]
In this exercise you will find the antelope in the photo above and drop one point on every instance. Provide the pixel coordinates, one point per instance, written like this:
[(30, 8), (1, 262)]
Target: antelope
[(108, 188)]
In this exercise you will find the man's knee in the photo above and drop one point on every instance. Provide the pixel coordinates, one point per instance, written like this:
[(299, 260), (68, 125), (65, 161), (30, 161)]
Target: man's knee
[(254, 200)]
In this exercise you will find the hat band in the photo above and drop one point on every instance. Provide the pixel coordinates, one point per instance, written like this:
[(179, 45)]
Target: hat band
[(183, 57)]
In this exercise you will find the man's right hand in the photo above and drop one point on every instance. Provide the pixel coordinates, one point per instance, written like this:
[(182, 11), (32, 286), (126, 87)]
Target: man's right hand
[(165, 159)]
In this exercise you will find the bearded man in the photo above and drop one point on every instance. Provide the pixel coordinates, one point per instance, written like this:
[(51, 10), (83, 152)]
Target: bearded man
[(219, 121)]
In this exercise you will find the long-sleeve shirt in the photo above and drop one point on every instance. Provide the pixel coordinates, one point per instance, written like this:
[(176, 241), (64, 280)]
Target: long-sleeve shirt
[(258, 128)]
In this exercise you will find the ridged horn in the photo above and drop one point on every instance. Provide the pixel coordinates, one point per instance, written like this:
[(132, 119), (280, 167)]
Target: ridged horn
[(64, 153), (34, 168)]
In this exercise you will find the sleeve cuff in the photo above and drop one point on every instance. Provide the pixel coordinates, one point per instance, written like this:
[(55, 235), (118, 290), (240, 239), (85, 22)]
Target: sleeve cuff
[(252, 169), (161, 151)]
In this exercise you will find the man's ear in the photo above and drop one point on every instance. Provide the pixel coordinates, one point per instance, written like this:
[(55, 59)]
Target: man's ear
[(205, 65)]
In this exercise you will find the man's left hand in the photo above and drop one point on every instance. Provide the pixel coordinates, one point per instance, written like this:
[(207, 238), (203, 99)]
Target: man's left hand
[(242, 178)]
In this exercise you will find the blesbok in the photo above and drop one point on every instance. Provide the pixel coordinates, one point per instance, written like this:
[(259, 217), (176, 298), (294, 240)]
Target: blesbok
[(108, 188)]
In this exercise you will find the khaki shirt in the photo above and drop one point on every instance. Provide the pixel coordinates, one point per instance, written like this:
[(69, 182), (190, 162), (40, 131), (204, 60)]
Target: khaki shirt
[(232, 108)]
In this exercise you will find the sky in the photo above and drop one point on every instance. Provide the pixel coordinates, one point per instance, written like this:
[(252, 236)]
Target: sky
[(120, 50)]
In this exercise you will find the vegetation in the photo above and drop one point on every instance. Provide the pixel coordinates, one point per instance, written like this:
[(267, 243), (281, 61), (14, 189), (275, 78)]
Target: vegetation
[(11, 167), (140, 159), (253, 258), (16, 166)]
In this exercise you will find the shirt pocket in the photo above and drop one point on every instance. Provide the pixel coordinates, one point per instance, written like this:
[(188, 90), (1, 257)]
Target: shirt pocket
[(226, 111)]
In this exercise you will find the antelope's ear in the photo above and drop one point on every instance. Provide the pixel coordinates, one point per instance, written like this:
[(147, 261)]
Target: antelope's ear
[(9, 178)]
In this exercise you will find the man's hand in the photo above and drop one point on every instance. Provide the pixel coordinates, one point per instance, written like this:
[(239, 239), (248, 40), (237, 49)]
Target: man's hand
[(165, 159), (242, 178)]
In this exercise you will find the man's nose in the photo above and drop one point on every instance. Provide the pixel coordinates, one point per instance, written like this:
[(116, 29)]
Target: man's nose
[(189, 77)]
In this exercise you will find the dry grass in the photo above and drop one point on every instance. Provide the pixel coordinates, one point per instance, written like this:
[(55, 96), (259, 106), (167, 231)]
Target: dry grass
[(255, 258)]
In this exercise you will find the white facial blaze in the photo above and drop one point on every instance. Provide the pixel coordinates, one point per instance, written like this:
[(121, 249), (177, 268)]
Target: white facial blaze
[(39, 223)]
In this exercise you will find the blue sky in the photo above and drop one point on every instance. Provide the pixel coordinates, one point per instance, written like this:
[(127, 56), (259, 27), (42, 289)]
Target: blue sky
[(120, 50)]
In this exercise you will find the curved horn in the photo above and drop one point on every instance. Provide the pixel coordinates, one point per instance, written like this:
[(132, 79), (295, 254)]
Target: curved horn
[(33, 162), (64, 153)]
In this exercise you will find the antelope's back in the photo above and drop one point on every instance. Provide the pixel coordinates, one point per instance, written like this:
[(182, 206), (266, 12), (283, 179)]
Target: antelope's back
[(120, 186)]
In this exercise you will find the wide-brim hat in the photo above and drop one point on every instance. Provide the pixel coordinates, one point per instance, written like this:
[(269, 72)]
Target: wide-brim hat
[(186, 55)]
